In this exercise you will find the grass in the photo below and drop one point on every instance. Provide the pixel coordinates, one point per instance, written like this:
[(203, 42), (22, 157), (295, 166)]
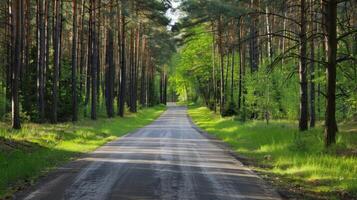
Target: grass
[(296, 161), (36, 149)]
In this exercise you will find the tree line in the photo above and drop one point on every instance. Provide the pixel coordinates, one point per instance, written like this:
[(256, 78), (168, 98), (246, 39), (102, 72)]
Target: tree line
[(66, 59), (271, 59)]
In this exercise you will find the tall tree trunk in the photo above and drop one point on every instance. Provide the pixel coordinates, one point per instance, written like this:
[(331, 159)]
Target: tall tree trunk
[(41, 61), (89, 57), (110, 68), (254, 44), (232, 77), (74, 64), (243, 88), (165, 86), (284, 34), (48, 35), (143, 74), (98, 21), (268, 29), (17, 16), (221, 54), (161, 87), (9, 52), (312, 67), (331, 26), (242, 71), (27, 35), (151, 84), (303, 120), (214, 82), (122, 91), (136, 66), (131, 71), (57, 46), (240, 82), (227, 75), (81, 60), (94, 61), (118, 19), (27, 92)]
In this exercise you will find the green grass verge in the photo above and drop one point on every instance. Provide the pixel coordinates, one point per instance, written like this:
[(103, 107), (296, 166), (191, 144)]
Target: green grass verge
[(35, 149), (298, 160)]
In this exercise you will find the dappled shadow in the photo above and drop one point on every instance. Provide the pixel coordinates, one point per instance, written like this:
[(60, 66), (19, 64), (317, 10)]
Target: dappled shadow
[(167, 159), (9, 145), (22, 161), (160, 174), (299, 158)]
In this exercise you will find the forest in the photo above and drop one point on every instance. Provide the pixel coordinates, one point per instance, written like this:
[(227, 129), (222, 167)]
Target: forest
[(270, 60), (63, 60), (274, 79), (75, 75)]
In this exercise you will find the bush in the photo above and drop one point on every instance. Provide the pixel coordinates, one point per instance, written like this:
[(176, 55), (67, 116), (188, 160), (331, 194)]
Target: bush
[(229, 110)]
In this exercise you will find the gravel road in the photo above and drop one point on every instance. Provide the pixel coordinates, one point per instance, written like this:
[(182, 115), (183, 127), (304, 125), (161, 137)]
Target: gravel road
[(168, 159)]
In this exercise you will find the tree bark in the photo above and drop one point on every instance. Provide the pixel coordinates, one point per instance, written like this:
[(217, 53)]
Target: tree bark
[(57, 46), (98, 21), (254, 44), (331, 31), (268, 29), (74, 64), (131, 70), (241, 92), (123, 65), (165, 86), (41, 61), (10, 53), (94, 61), (48, 36), (17, 16), (232, 76), (143, 74), (312, 69), (221, 54), (89, 57), (303, 120), (214, 82), (110, 68), (136, 66), (240, 81), (82, 49)]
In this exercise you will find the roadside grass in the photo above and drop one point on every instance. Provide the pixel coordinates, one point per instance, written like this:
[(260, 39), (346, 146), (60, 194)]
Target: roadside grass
[(296, 161), (38, 148)]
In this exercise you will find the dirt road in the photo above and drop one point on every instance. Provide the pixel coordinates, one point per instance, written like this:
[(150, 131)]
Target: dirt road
[(168, 159)]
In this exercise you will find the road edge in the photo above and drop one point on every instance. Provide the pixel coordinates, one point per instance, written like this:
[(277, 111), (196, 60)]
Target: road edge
[(240, 159)]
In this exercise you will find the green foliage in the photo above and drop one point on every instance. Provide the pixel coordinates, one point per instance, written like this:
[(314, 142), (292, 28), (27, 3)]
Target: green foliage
[(347, 91), (267, 92), (29, 99), (275, 92), (193, 66), (230, 110), (65, 93)]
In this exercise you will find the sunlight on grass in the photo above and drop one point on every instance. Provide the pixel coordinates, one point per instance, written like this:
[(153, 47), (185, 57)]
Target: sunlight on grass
[(298, 156), (35, 149)]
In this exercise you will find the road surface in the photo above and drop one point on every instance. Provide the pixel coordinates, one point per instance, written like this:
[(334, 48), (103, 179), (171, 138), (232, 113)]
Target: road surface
[(168, 159)]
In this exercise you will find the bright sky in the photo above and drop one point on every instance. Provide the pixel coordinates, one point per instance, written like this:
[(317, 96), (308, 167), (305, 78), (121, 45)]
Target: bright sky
[(174, 14)]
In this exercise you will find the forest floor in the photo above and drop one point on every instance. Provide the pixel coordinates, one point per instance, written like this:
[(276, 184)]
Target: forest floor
[(29, 153), (296, 163)]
